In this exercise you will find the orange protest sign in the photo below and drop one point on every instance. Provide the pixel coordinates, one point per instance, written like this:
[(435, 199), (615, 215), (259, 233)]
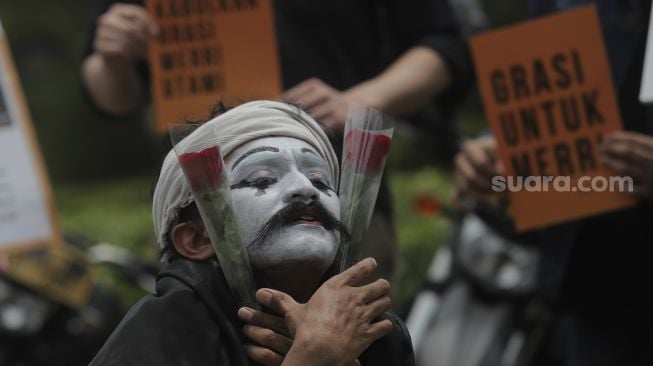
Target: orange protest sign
[(549, 99), (208, 49)]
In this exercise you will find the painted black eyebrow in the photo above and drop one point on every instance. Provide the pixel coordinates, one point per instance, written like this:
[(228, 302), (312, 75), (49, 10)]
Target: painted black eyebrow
[(307, 150), (254, 151)]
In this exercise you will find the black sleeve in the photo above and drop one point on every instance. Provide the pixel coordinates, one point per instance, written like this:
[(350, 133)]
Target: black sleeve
[(431, 23), (393, 349), (169, 330), (540, 7)]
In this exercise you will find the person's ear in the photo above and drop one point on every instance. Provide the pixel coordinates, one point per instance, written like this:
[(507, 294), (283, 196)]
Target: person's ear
[(190, 241)]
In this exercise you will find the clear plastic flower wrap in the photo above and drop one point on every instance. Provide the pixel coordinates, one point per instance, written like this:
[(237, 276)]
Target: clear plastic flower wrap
[(203, 167), (368, 134)]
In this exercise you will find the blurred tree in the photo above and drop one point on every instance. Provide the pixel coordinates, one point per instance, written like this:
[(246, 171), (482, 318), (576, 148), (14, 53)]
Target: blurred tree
[(47, 39)]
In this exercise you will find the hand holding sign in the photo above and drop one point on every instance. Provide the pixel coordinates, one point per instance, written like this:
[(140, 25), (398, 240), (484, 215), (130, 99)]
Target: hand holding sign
[(549, 98), (631, 154), (475, 165), (123, 33)]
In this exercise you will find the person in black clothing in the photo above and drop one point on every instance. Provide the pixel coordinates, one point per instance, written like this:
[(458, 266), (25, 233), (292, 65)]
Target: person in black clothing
[(601, 264), (395, 55), (282, 170)]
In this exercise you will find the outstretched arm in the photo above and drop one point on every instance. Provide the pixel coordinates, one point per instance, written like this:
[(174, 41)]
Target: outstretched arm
[(408, 84), (404, 87), (110, 73)]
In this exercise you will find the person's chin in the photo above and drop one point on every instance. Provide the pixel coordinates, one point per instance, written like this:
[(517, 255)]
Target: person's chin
[(300, 245)]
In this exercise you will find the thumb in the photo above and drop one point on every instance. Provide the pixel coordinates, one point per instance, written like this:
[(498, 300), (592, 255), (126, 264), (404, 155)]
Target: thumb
[(279, 302)]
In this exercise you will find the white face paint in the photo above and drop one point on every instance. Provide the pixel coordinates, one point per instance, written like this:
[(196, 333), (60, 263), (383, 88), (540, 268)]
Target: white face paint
[(266, 175)]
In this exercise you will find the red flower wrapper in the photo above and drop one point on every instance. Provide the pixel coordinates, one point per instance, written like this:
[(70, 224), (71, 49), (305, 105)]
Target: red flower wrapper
[(366, 151), (200, 159), (368, 134), (203, 167)]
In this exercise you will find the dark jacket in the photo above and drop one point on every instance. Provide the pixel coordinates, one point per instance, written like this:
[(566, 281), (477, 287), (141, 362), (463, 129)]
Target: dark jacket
[(191, 320)]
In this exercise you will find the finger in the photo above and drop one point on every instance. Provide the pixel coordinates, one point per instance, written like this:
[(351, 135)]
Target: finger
[(356, 363), (268, 338), (614, 164), (114, 47), (623, 167), (642, 140), (139, 16), (335, 108), (263, 355), (469, 173), (130, 11), (468, 192), (356, 273), (314, 99), (629, 151), (377, 308), (259, 318), (114, 35), (375, 290), (379, 329), (121, 28), (479, 157), (323, 110), (279, 302), (296, 92), (112, 40)]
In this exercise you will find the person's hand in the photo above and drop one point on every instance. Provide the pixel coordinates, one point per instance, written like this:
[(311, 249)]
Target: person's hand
[(474, 167), (321, 101), (631, 154), (123, 32), (335, 326), (270, 335)]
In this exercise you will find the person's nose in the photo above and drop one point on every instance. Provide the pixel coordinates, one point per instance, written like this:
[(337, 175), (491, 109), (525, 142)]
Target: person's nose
[(299, 188)]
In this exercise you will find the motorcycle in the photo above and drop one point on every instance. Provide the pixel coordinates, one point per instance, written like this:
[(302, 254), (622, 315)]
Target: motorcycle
[(52, 310), (483, 303)]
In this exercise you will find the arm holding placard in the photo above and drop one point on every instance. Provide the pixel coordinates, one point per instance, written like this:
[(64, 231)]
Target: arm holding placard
[(408, 84), (110, 73)]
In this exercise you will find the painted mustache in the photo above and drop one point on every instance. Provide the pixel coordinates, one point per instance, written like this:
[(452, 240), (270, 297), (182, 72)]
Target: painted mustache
[(298, 212)]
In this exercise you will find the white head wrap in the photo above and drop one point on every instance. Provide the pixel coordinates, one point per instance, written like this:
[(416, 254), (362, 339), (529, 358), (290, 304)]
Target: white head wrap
[(236, 127)]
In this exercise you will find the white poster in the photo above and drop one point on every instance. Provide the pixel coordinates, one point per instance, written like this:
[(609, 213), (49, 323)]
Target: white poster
[(26, 216), (646, 90)]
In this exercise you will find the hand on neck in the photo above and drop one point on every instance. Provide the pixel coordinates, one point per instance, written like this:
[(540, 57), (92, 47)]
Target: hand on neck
[(299, 280)]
